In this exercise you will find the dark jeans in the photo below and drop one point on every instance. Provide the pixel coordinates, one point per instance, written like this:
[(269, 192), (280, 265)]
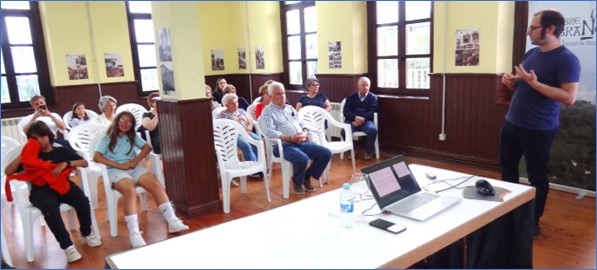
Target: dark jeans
[(300, 154), (48, 202), (535, 145), (369, 128)]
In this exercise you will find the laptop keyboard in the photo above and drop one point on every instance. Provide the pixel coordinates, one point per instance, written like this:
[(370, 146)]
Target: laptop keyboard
[(414, 203)]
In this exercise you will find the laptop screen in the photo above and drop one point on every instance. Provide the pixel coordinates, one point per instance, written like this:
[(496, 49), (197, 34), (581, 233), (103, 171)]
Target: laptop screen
[(391, 180)]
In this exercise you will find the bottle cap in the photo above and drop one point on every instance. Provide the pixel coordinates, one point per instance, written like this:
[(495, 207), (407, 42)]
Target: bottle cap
[(346, 186)]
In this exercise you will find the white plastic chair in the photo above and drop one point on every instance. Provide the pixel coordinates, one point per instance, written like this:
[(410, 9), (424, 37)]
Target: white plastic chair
[(134, 108), (8, 143), (315, 117), (226, 134), (29, 213), (79, 139), (286, 166), (360, 133), (251, 111), (69, 116), (113, 195), (25, 120), (215, 114)]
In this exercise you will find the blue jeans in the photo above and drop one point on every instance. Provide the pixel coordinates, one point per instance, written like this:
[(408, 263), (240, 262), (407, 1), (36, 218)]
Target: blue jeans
[(369, 128), (535, 145), (300, 154), (249, 150)]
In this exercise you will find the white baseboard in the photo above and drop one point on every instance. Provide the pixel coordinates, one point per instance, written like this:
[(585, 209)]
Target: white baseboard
[(580, 192)]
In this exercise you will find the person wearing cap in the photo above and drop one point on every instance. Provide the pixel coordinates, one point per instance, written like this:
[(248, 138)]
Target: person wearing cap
[(107, 104), (314, 97)]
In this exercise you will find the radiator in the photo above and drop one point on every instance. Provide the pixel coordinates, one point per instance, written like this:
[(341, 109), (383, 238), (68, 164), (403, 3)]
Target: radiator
[(10, 128), (336, 114)]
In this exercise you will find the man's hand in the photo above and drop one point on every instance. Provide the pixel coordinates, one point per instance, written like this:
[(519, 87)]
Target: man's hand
[(300, 137), (59, 168), (510, 80), (529, 77)]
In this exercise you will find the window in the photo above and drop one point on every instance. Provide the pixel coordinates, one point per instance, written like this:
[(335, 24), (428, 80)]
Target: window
[(143, 45), (299, 32), (23, 56), (400, 46)]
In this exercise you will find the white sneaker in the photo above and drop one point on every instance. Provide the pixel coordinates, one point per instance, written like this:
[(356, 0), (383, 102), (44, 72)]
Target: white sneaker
[(72, 255), (137, 240), (176, 225), (233, 183), (93, 240)]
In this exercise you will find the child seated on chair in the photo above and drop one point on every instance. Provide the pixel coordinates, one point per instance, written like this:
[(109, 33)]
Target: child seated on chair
[(48, 168), (116, 151)]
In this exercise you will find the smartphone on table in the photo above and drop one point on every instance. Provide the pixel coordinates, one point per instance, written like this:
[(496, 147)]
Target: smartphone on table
[(387, 226)]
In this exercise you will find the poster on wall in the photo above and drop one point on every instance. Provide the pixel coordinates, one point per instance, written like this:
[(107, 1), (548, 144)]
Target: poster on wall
[(572, 155), (76, 65), (335, 54), (259, 58), (217, 60), (467, 47), (166, 66), (114, 66), (242, 58), (164, 48)]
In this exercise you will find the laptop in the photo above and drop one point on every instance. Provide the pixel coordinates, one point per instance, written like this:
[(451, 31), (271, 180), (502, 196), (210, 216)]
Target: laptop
[(396, 190)]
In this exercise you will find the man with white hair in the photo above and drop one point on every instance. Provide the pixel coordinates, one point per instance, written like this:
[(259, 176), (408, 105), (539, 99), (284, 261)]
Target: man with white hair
[(359, 109), (279, 120), (42, 113)]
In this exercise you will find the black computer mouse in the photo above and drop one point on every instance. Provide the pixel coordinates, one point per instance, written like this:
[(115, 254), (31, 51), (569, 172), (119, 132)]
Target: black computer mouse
[(484, 187)]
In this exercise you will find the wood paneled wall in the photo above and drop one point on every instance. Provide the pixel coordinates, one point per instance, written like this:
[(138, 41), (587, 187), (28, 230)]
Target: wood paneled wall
[(473, 118), (66, 96)]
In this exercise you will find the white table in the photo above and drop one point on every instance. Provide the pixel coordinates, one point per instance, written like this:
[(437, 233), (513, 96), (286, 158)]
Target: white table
[(305, 235)]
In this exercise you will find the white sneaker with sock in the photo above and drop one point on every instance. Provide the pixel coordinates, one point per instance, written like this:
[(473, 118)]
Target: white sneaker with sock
[(93, 240), (137, 240), (176, 225), (72, 255)]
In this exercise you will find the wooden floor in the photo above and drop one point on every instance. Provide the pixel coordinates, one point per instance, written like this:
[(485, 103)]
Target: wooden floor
[(567, 240)]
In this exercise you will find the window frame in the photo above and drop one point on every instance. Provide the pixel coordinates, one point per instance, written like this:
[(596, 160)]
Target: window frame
[(131, 17), (39, 52), (301, 6), (402, 56)]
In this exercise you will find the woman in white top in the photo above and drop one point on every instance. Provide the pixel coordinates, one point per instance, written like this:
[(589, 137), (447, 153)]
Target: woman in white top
[(107, 104)]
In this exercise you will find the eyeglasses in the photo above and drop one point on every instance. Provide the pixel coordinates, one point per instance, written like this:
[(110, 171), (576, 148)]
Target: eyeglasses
[(315, 84), (532, 28), (125, 122)]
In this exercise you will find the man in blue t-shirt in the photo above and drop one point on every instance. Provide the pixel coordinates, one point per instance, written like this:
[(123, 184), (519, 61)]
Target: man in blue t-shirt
[(547, 76)]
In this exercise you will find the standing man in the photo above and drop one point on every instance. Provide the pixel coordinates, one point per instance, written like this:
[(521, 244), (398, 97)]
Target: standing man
[(547, 76), (359, 109), (280, 121)]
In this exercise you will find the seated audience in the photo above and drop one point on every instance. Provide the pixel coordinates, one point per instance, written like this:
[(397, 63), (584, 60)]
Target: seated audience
[(232, 112), (107, 105), (48, 168), (150, 122), (314, 97), (280, 121), (214, 103), (79, 115), (242, 103), (116, 150), (359, 109)]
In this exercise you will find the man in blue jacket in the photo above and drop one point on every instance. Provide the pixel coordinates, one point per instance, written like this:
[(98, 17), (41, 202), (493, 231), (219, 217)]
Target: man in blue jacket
[(359, 109)]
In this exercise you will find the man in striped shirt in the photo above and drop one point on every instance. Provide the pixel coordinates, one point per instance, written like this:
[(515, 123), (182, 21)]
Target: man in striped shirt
[(279, 120)]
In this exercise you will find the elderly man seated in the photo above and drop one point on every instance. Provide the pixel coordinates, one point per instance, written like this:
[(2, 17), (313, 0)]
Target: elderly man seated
[(279, 120)]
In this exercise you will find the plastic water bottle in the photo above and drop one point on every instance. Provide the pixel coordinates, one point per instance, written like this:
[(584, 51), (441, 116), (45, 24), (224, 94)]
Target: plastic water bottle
[(346, 206)]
